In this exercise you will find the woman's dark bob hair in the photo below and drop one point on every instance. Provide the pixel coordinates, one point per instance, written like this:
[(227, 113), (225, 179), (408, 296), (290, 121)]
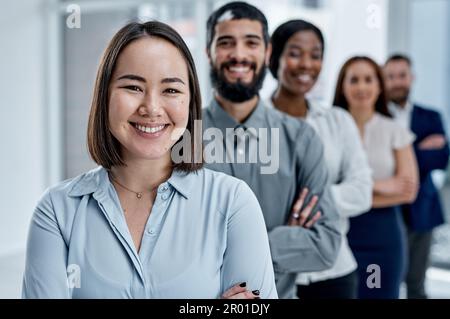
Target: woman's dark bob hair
[(341, 101), (104, 148)]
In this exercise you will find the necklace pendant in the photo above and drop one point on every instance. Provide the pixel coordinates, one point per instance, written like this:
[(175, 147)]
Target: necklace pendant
[(139, 195)]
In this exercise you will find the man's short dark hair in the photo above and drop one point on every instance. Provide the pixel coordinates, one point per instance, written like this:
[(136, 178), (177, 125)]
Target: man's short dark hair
[(399, 57), (238, 10)]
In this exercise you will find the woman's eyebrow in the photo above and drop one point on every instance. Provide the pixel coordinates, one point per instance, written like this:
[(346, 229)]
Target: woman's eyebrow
[(141, 79), (172, 80), (132, 77)]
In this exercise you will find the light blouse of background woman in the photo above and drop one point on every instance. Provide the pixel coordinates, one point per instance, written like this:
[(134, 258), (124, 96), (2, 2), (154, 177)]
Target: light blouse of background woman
[(296, 61), (377, 238), (143, 225)]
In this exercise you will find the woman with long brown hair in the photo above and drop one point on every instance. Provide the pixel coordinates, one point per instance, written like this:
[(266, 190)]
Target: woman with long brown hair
[(377, 237)]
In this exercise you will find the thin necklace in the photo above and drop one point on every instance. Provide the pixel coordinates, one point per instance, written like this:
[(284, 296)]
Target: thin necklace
[(138, 194)]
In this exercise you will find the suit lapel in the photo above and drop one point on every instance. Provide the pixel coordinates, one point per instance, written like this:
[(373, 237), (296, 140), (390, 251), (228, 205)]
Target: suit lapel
[(415, 120)]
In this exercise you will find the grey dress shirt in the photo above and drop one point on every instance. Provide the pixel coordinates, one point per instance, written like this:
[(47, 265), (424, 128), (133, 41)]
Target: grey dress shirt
[(301, 164), (205, 234)]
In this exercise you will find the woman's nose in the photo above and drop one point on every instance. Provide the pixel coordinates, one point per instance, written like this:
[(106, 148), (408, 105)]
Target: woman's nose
[(150, 107)]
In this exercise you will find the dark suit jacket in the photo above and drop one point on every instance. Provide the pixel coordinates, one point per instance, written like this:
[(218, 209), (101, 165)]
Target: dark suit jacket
[(426, 212)]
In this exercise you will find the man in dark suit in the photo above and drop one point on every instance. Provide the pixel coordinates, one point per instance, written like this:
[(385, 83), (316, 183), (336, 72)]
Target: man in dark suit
[(432, 152)]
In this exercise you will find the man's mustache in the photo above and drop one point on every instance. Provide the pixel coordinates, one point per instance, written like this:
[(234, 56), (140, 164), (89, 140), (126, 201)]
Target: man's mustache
[(235, 62), (399, 89)]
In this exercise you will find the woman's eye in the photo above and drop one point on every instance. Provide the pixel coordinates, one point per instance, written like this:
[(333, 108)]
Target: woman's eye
[(353, 80), (133, 88), (171, 91)]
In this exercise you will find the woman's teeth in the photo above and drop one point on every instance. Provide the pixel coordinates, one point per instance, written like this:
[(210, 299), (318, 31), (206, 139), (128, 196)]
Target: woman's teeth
[(147, 129), (304, 78)]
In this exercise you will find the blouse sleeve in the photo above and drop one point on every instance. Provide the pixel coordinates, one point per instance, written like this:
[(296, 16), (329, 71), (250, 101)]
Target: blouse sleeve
[(45, 273), (247, 256), (353, 193), (401, 137)]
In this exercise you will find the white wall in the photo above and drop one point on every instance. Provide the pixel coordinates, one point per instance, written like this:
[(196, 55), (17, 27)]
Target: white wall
[(359, 28), (22, 163), (421, 28), (429, 40), (350, 28)]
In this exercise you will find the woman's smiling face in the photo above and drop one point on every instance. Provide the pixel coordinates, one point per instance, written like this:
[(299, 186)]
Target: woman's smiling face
[(361, 86), (301, 62), (149, 98)]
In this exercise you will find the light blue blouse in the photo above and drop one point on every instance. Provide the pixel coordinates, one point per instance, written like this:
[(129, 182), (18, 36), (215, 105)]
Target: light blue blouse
[(205, 234)]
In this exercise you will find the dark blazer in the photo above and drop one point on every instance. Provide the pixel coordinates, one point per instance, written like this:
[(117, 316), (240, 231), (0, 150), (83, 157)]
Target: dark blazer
[(426, 212)]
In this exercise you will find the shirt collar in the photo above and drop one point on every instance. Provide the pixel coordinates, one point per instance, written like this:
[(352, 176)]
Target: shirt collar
[(315, 109), (182, 182), (89, 182), (395, 109), (97, 180), (222, 120)]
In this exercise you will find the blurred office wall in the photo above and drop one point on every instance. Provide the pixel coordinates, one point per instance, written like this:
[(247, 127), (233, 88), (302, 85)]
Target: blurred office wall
[(421, 28), (429, 46), (22, 114)]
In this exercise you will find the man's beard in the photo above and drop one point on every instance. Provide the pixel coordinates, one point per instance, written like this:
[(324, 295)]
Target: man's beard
[(236, 92), (401, 98)]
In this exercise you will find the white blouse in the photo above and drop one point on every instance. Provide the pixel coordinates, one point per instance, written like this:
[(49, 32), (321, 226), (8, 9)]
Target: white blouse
[(382, 135)]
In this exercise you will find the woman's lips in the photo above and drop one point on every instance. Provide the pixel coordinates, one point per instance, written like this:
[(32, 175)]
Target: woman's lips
[(148, 131)]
